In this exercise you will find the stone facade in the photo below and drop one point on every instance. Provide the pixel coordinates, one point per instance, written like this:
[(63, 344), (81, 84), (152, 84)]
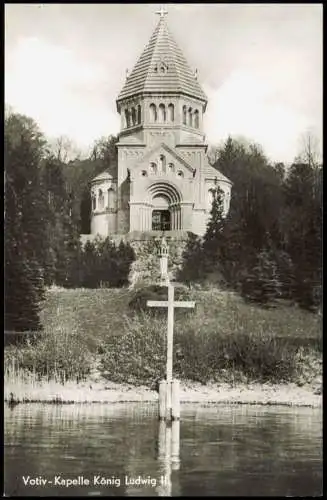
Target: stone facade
[(163, 179)]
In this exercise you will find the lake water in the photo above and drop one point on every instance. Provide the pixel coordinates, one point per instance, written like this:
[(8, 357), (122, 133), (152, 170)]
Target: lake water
[(109, 449)]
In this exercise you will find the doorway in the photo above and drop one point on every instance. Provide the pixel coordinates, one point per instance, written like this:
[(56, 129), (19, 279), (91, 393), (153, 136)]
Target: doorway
[(161, 220)]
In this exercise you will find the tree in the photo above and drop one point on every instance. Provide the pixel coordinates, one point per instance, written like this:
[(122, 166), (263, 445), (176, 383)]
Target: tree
[(79, 173), (191, 270), (125, 258), (104, 149), (213, 236), (63, 149), (63, 233), (25, 223), (85, 211), (303, 231), (309, 150), (89, 278), (261, 283)]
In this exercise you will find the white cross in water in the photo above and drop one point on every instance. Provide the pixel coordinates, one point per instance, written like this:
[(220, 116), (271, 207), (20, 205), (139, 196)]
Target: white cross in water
[(162, 12), (170, 304)]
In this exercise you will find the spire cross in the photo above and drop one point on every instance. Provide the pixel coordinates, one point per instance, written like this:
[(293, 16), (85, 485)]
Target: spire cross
[(162, 12)]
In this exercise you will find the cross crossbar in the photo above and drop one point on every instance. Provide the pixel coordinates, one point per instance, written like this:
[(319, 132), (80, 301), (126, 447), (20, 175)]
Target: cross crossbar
[(162, 12), (164, 303)]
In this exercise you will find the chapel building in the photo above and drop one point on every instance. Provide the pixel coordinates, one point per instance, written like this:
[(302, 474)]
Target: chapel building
[(163, 180)]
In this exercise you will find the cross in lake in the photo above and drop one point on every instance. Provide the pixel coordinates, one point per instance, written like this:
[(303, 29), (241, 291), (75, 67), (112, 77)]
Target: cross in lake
[(162, 12), (171, 304)]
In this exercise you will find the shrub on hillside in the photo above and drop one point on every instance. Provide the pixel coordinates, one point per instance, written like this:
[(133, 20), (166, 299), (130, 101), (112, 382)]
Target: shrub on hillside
[(203, 355), (206, 356), (155, 292), (139, 356), (103, 264)]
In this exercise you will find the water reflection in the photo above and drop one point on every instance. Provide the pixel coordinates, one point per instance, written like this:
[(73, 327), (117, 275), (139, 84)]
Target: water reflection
[(168, 455), (123, 450)]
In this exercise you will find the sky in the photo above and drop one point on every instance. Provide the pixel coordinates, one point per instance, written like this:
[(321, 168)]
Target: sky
[(259, 64)]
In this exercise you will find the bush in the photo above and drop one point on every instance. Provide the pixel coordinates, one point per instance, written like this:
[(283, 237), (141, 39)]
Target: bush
[(155, 292), (200, 354), (139, 356), (103, 264), (211, 356)]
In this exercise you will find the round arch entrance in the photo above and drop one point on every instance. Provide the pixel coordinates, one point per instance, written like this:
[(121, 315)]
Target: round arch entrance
[(161, 216), (166, 211)]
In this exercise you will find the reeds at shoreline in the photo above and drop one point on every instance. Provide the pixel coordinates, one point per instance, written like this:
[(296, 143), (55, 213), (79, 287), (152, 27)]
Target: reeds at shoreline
[(21, 386)]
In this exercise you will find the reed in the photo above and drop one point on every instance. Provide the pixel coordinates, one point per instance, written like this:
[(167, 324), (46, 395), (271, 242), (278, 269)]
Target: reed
[(22, 386)]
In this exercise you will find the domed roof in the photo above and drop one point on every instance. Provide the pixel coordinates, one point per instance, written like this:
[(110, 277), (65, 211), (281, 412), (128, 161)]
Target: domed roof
[(162, 68), (211, 172), (104, 176)]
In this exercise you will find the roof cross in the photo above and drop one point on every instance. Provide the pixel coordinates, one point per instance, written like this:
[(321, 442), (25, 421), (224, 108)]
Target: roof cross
[(162, 12)]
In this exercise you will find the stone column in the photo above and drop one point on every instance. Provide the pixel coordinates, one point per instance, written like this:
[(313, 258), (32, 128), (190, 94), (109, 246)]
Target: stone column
[(146, 221), (179, 218), (172, 218), (148, 218)]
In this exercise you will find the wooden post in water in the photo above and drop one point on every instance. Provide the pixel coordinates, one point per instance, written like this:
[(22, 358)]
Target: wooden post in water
[(175, 406), (172, 388), (162, 399)]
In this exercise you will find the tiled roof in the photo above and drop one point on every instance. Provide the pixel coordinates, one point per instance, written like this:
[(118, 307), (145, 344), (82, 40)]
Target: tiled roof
[(212, 173), (147, 76)]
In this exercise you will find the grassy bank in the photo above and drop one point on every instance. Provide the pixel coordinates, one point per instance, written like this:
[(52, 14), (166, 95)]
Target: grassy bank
[(93, 338)]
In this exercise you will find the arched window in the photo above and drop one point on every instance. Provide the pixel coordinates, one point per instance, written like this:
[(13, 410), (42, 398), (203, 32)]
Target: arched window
[(127, 118), (161, 67), (111, 199), (153, 168), (171, 112), (153, 113), (133, 116), (101, 200), (171, 168), (144, 173), (94, 202), (184, 115), (162, 113), (180, 173), (190, 117), (139, 117), (162, 163), (196, 119)]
